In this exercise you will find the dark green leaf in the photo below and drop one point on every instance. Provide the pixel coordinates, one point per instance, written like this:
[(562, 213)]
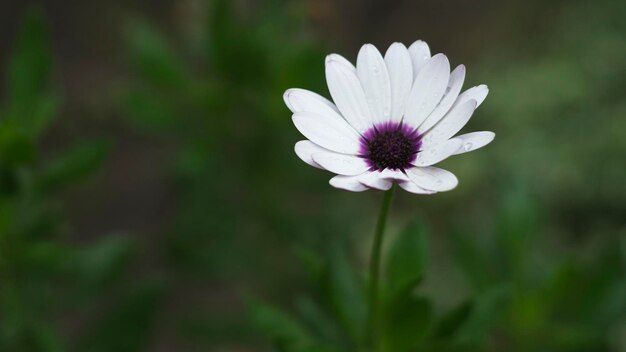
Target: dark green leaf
[(100, 262), (407, 321), (452, 322), (347, 295), (153, 57), (317, 320), (126, 326), (486, 313), (278, 326), (72, 166), (30, 98), (472, 259), (312, 263), (407, 259), (16, 148)]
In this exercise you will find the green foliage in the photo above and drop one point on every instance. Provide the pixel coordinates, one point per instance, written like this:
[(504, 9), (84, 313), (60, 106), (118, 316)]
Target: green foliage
[(407, 260), (553, 305), (285, 333), (31, 100), (336, 318), (127, 324), (214, 94), (43, 276)]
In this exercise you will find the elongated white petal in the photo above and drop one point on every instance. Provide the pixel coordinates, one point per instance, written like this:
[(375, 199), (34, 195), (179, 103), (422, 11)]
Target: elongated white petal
[(420, 53), (328, 132), (372, 72), (411, 187), (302, 100), (452, 92), (478, 93), (339, 58), (433, 178), (428, 89), (348, 183), (474, 140), (373, 180), (341, 164), (305, 150), (393, 175), (437, 153), (400, 71), (449, 125), (347, 93)]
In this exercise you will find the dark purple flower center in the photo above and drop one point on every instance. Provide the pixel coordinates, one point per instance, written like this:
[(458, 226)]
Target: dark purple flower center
[(390, 145)]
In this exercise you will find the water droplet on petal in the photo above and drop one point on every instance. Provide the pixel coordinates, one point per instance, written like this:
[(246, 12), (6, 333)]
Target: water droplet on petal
[(468, 146)]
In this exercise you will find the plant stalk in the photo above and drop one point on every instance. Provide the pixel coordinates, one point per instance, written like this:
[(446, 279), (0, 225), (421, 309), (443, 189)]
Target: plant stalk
[(374, 304)]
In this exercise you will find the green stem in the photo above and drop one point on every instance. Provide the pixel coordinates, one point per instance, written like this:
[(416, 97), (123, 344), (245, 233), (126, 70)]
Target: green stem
[(374, 321)]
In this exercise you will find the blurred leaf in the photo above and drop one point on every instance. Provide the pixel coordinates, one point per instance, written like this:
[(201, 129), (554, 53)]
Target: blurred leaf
[(154, 58), (151, 110), (450, 323), (46, 258), (472, 260), (232, 47), (406, 323), (72, 166), (16, 147), (126, 326), (347, 294), (515, 231), (8, 186), (318, 322), (30, 98), (312, 262), (98, 263), (486, 312), (407, 259), (281, 329)]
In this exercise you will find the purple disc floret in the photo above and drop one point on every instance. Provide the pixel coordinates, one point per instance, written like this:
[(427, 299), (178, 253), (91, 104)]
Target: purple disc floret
[(390, 145)]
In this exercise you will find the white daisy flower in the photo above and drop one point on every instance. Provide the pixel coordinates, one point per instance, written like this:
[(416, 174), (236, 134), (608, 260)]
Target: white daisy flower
[(392, 119)]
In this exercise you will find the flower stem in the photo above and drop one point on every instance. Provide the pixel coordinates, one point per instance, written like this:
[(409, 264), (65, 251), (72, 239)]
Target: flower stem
[(374, 319)]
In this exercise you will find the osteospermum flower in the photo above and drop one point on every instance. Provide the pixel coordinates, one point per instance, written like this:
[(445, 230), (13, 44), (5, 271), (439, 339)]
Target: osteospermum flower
[(392, 119)]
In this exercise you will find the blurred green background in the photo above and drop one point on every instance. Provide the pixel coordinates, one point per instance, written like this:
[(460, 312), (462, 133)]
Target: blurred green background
[(150, 199)]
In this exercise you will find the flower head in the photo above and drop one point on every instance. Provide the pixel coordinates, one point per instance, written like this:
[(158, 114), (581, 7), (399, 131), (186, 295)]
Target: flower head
[(392, 119)]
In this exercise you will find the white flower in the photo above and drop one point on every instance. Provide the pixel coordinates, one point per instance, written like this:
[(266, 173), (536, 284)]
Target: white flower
[(392, 119)]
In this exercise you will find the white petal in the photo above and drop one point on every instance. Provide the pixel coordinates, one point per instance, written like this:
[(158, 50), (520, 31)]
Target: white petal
[(373, 180), (454, 87), (372, 72), (474, 140), (478, 93), (437, 153), (428, 89), (433, 178), (302, 100), (449, 125), (420, 53), (348, 183), (341, 164), (400, 71), (339, 58), (347, 93), (305, 150), (410, 186), (393, 175), (328, 132)]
